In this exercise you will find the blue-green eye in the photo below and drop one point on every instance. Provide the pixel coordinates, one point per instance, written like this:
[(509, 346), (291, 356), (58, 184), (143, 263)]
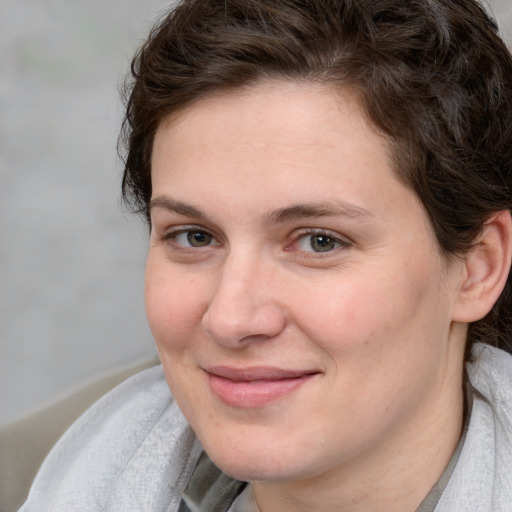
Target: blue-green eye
[(193, 238), (320, 242)]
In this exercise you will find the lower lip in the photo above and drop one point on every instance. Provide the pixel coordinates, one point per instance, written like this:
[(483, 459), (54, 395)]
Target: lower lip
[(255, 393)]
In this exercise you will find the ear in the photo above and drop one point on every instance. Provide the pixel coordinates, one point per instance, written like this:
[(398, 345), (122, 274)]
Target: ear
[(486, 269)]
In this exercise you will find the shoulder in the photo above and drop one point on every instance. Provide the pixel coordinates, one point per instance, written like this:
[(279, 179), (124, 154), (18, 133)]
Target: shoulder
[(491, 374), (482, 479), (133, 450)]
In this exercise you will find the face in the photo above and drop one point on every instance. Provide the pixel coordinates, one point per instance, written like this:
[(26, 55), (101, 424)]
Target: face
[(299, 302)]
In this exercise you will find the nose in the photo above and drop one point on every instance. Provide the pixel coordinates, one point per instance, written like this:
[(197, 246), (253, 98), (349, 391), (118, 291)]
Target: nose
[(244, 307)]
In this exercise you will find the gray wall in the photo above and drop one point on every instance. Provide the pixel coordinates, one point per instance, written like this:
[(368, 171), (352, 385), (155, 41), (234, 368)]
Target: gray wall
[(71, 262), (502, 12)]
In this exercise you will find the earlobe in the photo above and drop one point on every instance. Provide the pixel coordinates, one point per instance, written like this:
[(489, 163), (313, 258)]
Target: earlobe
[(486, 269)]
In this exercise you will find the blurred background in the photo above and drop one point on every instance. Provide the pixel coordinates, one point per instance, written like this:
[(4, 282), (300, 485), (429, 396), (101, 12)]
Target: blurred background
[(71, 259)]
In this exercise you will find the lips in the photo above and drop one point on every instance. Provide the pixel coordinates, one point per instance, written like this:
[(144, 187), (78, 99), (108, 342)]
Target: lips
[(255, 386)]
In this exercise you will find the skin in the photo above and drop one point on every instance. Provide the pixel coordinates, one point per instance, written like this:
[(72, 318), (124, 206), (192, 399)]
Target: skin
[(247, 186)]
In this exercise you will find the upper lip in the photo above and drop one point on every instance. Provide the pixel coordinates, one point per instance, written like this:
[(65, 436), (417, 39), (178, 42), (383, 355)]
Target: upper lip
[(257, 373)]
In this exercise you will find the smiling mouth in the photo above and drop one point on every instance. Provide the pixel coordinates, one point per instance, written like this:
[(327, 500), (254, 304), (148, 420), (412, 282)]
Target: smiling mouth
[(255, 387)]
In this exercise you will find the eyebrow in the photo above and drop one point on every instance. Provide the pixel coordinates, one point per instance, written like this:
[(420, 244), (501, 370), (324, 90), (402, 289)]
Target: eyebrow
[(313, 210), (166, 203), (279, 216)]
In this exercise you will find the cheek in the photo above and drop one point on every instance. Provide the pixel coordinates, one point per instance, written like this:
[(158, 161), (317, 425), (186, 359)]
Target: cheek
[(347, 314), (174, 307), (174, 312), (378, 338), (368, 318)]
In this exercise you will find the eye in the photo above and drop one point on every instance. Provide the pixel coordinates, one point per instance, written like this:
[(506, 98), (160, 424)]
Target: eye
[(319, 242), (192, 238)]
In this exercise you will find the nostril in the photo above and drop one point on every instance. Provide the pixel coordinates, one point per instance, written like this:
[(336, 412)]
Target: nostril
[(255, 338)]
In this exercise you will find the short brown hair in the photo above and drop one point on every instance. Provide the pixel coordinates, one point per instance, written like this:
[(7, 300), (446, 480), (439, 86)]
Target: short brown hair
[(432, 75)]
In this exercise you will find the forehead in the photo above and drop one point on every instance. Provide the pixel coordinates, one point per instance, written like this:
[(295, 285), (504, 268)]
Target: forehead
[(308, 141), (293, 116)]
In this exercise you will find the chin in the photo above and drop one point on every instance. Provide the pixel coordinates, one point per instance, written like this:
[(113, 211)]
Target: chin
[(262, 461), (256, 470)]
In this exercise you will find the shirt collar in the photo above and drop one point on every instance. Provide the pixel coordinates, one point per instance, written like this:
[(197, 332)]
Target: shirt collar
[(209, 489)]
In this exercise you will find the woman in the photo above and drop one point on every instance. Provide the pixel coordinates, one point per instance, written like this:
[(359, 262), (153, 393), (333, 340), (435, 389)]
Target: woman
[(328, 187)]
